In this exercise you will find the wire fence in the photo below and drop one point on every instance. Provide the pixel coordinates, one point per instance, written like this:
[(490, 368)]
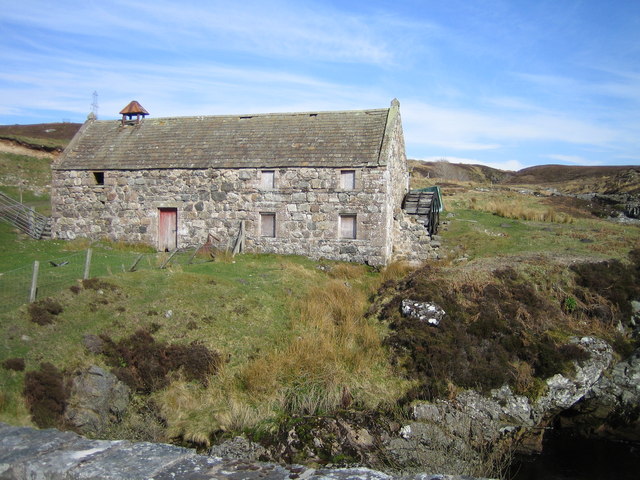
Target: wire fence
[(49, 277)]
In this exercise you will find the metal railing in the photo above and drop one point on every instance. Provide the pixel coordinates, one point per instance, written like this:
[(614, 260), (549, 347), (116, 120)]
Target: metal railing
[(22, 217)]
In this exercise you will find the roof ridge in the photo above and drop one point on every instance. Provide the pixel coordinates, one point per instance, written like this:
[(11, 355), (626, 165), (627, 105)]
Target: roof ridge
[(251, 115)]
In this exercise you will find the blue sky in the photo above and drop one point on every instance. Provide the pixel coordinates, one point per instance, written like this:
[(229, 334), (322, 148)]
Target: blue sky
[(506, 83)]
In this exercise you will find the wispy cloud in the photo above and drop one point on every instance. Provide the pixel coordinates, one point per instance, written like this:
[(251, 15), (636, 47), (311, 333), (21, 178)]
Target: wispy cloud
[(267, 29), (469, 129), (487, 84), (624, 85)]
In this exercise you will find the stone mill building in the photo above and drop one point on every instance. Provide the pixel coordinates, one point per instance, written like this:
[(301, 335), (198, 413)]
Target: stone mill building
[(320, 184)]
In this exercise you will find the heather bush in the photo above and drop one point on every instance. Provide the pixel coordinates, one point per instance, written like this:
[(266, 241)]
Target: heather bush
[(46, 395), (144, 364), (44, 312), (16, 364)]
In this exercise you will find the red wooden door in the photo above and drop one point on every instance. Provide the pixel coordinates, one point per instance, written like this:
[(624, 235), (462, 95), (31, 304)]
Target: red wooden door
[(168, 228)]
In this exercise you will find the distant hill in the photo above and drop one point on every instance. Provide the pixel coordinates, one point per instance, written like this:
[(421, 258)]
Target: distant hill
[(41, 136), (574, 179), (460, 172), (565, 178)]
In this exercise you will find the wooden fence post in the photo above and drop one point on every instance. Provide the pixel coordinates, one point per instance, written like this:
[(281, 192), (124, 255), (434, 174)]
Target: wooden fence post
[(239, 246), (34, 282), (165, 263), (87, 265), (135, 264)]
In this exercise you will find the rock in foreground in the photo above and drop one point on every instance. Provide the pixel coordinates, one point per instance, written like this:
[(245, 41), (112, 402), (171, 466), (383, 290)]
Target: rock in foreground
[(26, 453)]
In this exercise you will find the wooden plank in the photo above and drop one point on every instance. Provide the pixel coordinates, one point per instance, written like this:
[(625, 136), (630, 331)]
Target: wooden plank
[(166, 262), (132, 268)]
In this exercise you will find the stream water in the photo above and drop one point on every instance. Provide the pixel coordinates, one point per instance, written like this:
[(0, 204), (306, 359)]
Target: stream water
[(569, 457)]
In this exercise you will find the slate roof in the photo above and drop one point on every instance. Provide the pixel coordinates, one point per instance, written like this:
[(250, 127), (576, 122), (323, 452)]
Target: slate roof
[(319, 139)]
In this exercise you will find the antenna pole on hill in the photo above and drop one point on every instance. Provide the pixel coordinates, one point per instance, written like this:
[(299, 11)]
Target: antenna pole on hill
[(94, 104)]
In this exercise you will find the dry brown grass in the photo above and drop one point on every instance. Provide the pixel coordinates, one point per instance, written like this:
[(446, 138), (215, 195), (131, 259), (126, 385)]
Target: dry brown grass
[(347, 271), (335, 359), (520, 211), (395, 271), (334, 346)]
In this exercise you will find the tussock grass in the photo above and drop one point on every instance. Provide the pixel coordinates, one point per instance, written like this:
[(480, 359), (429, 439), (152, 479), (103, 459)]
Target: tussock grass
[(334, 359), (395, 271), (347, 271), (518, 210)]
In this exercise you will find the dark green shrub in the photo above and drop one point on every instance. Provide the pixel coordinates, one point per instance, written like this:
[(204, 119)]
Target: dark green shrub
[(143, 364), (46, 395), (616, 282), (43, 312), (16, 364)]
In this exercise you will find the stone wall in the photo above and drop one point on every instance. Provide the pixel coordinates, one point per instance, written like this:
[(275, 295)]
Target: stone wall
[(307, 203), (27, 454), (398, 180), (411, 240)]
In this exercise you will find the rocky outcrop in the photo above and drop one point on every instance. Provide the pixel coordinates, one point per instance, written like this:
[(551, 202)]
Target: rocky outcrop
[(423, 311), (238, 448), (478, 429), (97, 398), (612, 408), (28, 454)]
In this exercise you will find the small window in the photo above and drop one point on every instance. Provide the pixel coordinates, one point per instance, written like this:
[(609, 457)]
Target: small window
[(347, 179), (98, 178), (268, 225), (348, 226), (268, 179)]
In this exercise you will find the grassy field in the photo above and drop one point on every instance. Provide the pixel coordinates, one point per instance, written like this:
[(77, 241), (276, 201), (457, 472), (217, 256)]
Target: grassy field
[(30, 172), (293, 333), (487, 222), (280, 323)]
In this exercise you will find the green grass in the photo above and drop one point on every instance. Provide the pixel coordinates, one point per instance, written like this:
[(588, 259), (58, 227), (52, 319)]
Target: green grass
[(24, 170), (246, 308), (294, 337), (481, 234)]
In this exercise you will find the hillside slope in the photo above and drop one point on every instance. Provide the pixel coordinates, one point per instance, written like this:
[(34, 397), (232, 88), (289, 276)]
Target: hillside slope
[(457, 172), (41, 136), (564, 178), (314, 358), (574, 179)]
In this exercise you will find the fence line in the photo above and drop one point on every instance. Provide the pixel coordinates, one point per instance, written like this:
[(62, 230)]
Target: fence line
[(50, 277)]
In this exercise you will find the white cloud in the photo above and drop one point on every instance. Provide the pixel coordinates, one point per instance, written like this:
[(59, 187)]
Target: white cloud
[(277, 28), (469, 129), (618, 84)]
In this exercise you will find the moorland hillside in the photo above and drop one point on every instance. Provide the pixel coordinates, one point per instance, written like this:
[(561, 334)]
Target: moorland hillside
[(320, 362)]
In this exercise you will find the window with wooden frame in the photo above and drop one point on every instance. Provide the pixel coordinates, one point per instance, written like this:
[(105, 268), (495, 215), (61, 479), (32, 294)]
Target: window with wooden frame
[(267, 179), (268, 225), (348, 226), (347, 179)]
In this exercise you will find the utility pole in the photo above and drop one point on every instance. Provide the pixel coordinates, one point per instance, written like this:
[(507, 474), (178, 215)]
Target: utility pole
[(94, 104)]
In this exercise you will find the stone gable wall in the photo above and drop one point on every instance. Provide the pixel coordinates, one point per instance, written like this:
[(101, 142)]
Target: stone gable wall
[(307, 203), (411, 240)]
